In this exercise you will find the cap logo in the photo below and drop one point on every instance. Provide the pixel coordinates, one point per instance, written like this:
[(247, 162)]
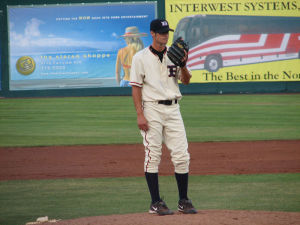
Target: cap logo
[(164, 23)]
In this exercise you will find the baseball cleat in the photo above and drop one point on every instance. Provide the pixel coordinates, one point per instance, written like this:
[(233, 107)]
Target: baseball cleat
[(160, 208), (185, 206)]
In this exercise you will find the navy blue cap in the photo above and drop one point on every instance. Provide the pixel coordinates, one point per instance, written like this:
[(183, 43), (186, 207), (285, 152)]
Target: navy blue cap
[(160, 26)]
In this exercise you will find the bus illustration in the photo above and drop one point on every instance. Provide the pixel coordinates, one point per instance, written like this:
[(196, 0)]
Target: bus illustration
[(218, 41)]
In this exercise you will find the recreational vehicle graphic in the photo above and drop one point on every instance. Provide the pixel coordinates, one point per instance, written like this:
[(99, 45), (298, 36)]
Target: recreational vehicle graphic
[(219, 41)]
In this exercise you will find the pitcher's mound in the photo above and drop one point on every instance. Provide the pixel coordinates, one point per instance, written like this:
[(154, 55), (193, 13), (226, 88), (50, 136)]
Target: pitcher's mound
[(205, 217)]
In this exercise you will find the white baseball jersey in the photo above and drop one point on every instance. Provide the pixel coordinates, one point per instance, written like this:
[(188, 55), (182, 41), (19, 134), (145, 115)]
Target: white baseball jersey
[(158, 80)]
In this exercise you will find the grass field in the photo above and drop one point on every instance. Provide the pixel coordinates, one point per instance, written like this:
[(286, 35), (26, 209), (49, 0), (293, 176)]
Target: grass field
[(112, 120), (24, 201)]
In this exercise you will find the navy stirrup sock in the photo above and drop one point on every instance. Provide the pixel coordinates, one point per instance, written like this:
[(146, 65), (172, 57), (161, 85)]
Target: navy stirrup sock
[(182, 184), (152, 181)]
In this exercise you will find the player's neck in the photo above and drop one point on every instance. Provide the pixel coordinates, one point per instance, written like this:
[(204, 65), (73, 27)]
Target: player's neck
[(157, 52)]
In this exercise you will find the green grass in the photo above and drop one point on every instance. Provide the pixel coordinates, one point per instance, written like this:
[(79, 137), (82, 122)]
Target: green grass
[(242, 117), (112, 120), (24, 201), (67, 121)]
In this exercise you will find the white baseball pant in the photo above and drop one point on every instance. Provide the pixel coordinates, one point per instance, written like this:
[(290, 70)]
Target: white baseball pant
[(165, 126)]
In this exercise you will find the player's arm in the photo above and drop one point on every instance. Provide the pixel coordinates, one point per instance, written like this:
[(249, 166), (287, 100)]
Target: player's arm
[(137, 99), (185, 76), (185, 73)]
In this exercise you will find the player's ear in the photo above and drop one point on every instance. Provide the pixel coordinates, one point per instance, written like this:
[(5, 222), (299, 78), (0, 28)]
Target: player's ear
[(152, 33)]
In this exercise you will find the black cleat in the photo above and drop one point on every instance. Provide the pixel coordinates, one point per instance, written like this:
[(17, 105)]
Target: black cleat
[(160, 208), (185, 206)]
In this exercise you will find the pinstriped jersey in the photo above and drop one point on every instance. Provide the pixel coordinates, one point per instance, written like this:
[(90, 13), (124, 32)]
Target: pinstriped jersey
[(158, 80)]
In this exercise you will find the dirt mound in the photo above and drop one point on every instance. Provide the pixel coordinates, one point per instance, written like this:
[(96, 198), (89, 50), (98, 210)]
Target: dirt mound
[(207, 217)]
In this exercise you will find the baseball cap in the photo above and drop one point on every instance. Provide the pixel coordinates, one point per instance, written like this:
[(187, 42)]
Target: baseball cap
[(160, 26)]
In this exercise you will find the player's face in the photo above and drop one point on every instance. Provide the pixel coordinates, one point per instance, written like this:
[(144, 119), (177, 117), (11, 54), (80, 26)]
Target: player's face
[(160, 39)]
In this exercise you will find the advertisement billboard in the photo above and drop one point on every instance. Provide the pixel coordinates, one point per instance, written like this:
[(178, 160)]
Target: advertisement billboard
[(75, 45), (238, 42)]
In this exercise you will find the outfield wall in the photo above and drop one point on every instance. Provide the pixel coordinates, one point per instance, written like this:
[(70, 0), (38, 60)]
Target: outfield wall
[(70, 48)]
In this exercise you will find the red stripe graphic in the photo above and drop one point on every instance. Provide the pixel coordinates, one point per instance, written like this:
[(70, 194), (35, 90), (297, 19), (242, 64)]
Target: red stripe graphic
[(149, 157), (245, 46), (135, 83)]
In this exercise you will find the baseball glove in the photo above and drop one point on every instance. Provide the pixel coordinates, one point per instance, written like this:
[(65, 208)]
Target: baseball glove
[(176, 52)]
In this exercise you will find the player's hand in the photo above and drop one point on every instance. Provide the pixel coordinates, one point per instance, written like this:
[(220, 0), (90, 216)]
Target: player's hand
[(142, 122)]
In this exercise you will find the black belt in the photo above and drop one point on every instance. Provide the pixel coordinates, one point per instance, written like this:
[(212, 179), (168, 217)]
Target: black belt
[(167, 102)]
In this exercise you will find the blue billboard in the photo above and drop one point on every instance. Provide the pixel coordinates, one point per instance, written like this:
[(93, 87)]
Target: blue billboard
[(74, 46)]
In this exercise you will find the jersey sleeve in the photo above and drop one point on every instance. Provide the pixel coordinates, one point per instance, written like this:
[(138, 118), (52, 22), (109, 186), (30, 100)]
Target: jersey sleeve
[(137, 73)]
